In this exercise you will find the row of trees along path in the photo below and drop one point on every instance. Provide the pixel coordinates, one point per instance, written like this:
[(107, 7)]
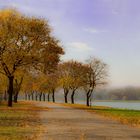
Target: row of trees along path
[(69, 76), (30, 62)]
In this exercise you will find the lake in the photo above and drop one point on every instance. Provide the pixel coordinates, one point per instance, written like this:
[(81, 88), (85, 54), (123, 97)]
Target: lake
[(116, 104)]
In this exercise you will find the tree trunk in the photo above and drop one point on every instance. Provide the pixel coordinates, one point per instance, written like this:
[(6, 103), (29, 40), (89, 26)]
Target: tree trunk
[(10, 90), (72, 96), (88, 98), (32, 96), (53, 96), (66, 100), (65, 95), (43, 96), (15, 98), (25, 96), (36, 97), (48, 97), (40, 95), (17, 89), (87, 101), (28, 96)]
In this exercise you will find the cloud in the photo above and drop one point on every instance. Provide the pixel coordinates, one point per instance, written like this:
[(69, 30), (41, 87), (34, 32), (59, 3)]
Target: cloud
[(94, 30), (78, 51), (79, 46)]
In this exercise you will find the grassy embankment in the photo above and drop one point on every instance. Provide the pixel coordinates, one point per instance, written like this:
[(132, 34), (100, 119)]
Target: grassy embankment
[(20, 122), (125, 116)]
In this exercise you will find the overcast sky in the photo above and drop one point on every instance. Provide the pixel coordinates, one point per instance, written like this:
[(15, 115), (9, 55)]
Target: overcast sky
[(108, 29)]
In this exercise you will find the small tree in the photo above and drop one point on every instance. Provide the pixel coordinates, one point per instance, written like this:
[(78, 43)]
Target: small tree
[(52, 84), (64, 79), (95, 76), (76, 73)]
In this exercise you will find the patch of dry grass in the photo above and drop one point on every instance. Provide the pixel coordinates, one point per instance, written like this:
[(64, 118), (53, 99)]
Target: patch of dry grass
[(20, 122)]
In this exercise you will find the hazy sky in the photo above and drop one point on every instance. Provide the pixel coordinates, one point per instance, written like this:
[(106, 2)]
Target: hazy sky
[(108, 29)]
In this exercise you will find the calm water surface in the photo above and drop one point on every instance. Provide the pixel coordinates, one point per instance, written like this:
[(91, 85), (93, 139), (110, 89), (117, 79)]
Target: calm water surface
[(116, 104)]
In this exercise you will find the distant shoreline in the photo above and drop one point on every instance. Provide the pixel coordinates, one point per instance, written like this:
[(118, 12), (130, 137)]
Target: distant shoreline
[(116, 100), (110, 100)]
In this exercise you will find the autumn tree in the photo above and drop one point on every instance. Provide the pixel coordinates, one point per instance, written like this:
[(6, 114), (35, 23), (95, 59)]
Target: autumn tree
[(43, 87), (51, 56), (76, 73), (64, 79), (96, 76), (37, 90), (52, 84), (32, 85), (24, 42), (28, 85)]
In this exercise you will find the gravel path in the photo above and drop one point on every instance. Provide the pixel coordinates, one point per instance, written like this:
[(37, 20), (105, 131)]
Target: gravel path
[(66, 123)]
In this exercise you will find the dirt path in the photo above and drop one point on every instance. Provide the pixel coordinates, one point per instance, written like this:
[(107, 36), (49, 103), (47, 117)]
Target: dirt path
[(66, 123)]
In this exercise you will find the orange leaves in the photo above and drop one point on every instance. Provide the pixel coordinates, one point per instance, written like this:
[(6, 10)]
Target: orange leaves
[(27, 42), (72, 74)]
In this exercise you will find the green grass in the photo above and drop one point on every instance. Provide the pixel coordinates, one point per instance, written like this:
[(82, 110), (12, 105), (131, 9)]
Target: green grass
[(126, 116), (21, 122)]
